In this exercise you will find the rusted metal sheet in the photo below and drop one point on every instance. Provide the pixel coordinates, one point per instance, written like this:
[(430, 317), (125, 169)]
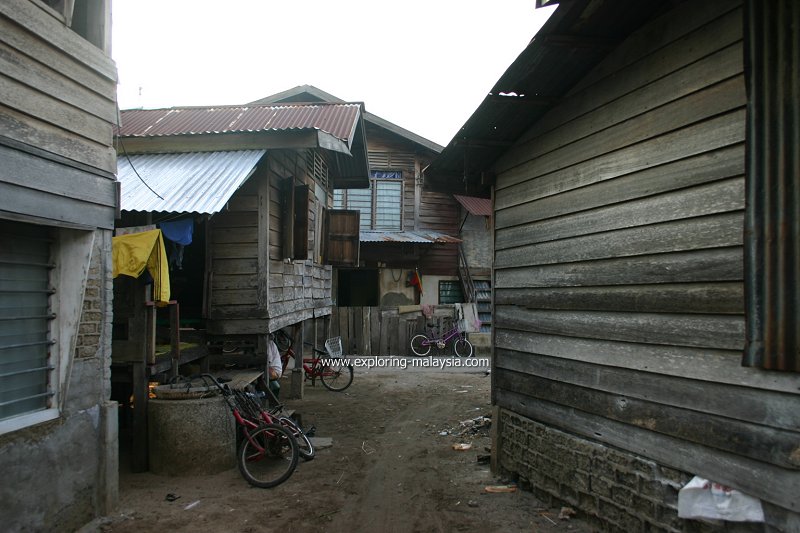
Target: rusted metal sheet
[(339, 120), (194, 182), (420, 237), (475, 206), (772, 225)]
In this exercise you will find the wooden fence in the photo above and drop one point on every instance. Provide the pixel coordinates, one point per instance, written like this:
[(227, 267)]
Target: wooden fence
[(384, 330)]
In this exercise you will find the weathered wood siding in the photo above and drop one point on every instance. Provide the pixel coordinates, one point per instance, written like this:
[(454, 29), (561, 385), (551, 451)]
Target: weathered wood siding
[(618, 257), (57, 112), (422, 210), (254, 289)]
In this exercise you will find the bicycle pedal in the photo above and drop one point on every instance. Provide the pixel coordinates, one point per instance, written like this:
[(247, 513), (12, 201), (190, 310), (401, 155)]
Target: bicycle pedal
[(311, 431)]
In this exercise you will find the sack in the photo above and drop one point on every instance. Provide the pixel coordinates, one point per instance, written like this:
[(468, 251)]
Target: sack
[(703, 499)]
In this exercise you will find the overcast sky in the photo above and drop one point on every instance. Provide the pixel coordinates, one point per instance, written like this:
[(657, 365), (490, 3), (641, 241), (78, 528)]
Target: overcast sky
[(424, 65)]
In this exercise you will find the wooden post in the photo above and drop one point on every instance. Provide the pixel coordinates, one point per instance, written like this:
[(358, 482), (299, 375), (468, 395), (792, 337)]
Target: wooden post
[(297, 371), (139, 451), (175, 336)]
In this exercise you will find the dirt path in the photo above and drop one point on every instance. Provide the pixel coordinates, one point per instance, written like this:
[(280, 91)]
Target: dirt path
[(389, 469)]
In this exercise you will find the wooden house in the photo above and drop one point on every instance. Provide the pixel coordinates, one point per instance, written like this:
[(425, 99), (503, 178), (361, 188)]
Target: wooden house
[(643, 161), (58, 200), (250, 189), (405, 230)]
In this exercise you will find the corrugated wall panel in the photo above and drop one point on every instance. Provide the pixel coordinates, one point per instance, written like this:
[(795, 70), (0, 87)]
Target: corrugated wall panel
[(772, 232)]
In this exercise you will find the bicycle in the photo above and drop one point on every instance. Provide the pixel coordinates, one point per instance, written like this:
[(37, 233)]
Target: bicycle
[(421, 343), (267, 454), (304, 445), (335, 373)]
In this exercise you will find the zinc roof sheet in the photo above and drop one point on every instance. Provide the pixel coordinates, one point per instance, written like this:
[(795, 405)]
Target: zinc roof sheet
[(339, 120), (476, 206), (192, 182), (426, 237)]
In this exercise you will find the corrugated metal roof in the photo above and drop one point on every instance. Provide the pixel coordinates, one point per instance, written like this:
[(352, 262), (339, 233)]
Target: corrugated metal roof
[(576, 37), (425, 237), (476, 206), (193, 182), (339, 120), (309, 93)]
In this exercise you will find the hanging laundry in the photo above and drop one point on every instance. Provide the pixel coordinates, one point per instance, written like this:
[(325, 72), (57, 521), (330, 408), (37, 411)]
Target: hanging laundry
[(179, 231), (133, 253)]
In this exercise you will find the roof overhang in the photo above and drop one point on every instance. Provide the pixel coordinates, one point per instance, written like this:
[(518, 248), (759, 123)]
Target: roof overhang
[(192, 182), (576, 37), (475, 206)]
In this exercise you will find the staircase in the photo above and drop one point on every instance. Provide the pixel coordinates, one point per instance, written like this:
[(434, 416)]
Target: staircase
[(483, 301), (478, 291)]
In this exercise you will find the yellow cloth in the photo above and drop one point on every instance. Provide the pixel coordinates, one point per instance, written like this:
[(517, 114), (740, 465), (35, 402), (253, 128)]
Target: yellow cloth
[(134, 252)]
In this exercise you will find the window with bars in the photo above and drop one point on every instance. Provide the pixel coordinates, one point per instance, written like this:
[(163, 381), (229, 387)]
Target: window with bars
[(26, 359), (381, 205)]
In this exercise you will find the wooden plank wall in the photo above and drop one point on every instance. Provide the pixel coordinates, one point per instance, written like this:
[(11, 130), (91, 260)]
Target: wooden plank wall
[(618, 282), (422, 209), (58, 94), (250, 294), (298, 290), (384, 330)]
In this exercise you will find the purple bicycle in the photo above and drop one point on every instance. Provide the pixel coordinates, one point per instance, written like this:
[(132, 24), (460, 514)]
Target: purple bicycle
[(421, 344)]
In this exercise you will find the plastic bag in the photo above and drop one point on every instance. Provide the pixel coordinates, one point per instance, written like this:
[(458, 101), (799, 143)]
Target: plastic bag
[(701, 498)]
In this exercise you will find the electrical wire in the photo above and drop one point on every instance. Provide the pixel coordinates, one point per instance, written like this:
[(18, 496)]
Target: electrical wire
[(128, 158)]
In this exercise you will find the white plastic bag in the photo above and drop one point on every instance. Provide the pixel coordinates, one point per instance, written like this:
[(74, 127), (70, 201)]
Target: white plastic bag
[(704, 499)]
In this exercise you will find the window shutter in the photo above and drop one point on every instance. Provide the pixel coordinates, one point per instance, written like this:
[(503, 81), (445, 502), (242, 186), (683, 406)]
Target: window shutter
[(301, 207), (287, 220), (342, 244)]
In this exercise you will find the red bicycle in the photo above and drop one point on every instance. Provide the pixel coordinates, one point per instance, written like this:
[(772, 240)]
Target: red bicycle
[(268, 452), (335, 372)]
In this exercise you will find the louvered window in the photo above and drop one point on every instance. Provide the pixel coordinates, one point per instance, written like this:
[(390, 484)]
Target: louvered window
[(317, 167), (381, 205), (26, 365)]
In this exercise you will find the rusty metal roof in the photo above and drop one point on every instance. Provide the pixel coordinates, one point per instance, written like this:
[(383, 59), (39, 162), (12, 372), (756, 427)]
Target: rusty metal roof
[(311, 94), (192, 182), (419, 237), (475, 206), (339, 120)]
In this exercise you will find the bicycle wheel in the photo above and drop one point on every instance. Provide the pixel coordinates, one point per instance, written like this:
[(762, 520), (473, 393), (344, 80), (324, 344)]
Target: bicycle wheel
[(462, 347), (268, 456), (336, 377), (304, 446), (420, 345)]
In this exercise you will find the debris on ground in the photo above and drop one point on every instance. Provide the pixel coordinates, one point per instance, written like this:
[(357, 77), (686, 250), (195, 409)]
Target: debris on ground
[(566, 513), (462, 446), (470, 427), (494, 489)]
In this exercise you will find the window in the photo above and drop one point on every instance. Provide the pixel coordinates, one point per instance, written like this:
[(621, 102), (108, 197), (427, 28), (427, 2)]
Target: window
[(450, 292), (295, 203), (381, 205), (317, 167), (26, 320)]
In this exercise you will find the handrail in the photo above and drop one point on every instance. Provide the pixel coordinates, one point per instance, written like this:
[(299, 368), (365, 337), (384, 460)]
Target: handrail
[(470, 294)]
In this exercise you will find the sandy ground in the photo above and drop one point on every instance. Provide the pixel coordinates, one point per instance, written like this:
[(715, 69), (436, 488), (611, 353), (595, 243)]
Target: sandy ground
[(390, 468)]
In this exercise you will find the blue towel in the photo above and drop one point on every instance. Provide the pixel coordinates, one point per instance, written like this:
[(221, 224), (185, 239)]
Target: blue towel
[(178, 231)]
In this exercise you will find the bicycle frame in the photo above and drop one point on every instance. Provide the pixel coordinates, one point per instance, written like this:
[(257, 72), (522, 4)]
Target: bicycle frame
[(441, 341), (311, 365)]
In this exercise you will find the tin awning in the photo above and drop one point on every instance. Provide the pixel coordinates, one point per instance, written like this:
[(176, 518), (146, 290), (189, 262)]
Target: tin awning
[(192, 182)]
